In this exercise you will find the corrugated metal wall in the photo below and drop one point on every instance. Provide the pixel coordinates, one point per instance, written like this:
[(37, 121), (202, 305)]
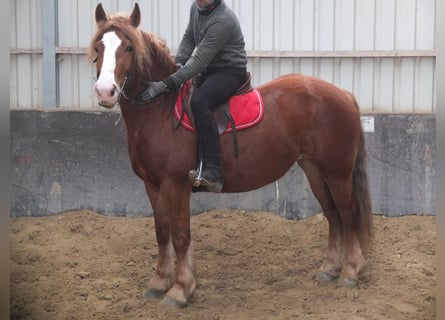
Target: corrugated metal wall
[(381, 50)]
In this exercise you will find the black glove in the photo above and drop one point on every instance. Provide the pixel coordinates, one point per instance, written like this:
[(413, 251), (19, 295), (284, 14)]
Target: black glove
[(152, 90)]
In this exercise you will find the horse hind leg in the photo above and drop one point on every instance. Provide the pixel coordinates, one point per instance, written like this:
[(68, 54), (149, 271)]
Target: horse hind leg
[(347, 206), (332, 264)]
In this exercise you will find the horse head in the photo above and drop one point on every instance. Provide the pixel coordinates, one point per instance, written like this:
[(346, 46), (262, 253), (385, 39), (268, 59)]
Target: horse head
[(125, 55), (113, 50)]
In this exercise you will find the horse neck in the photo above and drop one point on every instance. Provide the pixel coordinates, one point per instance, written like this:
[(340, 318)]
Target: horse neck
[(153, 115), (159, 110)]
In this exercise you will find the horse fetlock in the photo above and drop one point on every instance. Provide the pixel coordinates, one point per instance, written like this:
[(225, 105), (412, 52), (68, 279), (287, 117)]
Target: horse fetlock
[(331, 268), (187, 284), (328, 272), (158, 286), (352, 267)]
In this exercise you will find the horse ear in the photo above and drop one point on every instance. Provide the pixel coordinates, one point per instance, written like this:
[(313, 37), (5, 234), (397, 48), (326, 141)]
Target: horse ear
[(135, 17), (101, 15)]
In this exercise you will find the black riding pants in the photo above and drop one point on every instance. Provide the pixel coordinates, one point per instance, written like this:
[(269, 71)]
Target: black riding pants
[(217, 88)]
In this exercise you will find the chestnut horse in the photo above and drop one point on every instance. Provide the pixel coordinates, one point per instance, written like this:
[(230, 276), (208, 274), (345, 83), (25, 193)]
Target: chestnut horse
[(307, 120)]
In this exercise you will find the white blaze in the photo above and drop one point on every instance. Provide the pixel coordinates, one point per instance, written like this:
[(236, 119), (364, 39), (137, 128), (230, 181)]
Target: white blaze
[(106, 88), (111, 43)]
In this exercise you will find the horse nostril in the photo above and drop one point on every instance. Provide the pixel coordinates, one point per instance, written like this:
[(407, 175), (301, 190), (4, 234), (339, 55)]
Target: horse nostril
[(113, 91)]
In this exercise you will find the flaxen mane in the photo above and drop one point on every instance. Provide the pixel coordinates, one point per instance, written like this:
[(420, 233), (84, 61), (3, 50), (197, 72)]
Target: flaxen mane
[(159, 52)]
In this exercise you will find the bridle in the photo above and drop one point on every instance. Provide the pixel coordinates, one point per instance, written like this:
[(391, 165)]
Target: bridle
[(122, 94), (121, 89)]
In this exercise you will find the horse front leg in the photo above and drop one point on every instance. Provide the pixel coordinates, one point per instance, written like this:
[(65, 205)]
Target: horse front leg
[(164, 277), (171, 207), (184, 286)]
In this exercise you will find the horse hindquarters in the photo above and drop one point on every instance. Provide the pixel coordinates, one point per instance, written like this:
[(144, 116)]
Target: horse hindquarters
[(336, 171)]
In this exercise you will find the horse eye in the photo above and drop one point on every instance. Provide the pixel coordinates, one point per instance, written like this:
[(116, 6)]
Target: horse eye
[(96, 49), (129, 48)]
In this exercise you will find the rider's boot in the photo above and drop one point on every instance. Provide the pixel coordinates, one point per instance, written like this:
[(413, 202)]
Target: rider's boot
[(212, 176)]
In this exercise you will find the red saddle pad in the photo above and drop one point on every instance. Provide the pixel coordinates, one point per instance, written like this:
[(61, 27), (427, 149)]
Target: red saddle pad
[(247, 110)]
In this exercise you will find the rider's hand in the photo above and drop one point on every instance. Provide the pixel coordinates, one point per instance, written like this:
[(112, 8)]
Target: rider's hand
[(152, 90)]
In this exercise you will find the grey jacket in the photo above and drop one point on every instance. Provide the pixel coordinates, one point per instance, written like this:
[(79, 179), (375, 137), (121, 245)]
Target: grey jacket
[(218, 40)]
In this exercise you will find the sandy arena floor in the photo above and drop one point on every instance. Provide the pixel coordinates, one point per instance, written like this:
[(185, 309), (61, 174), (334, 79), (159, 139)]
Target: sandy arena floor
[(249, 265)]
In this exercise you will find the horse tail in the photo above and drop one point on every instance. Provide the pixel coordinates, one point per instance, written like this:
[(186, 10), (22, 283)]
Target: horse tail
[(361, 190)]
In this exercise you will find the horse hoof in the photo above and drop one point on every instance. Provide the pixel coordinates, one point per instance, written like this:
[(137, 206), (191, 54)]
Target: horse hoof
[(167, 301), (325, 277), (347, 283), (153, 293)]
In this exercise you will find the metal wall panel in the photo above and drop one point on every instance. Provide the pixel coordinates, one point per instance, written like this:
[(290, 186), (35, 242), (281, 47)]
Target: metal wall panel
[(25, 73), (324, 38), (385, 12), (25, 81)]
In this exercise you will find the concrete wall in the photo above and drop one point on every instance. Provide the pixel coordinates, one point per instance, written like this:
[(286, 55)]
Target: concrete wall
[(72, 160)]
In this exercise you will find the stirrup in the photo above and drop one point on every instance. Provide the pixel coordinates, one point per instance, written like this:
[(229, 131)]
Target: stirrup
[(194, 178), (195, 175), (197, 180)]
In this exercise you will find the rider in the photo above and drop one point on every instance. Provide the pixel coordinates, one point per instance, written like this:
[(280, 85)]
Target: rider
[(220, 57)]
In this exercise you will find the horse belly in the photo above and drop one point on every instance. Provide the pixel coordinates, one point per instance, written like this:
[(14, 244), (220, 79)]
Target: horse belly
[(263, 158)]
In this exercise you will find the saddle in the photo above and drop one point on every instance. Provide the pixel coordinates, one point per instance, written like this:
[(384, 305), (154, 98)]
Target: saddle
[(242, 110)]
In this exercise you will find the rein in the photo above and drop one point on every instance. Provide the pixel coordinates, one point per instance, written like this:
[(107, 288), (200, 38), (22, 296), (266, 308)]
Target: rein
[(178, 124)]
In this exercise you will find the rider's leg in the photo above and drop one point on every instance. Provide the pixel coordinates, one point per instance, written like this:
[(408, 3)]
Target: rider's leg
[(215, 90), (212, 176)]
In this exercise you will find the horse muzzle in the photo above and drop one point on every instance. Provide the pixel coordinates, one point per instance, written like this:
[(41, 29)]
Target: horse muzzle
[(108, 96)]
